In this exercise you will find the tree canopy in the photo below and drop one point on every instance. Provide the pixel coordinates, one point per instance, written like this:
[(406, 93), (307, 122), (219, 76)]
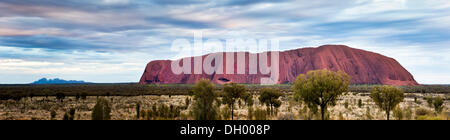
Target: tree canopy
[(387, 98), (320, 88)]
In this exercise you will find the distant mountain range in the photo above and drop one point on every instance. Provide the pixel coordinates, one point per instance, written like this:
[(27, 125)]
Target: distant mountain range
[(57, 81)]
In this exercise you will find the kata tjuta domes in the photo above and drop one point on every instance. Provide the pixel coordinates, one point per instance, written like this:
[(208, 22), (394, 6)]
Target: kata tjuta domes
[(363, 66)]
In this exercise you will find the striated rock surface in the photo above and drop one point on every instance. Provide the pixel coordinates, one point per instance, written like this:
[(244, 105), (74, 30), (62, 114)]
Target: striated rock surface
[(363, 66)]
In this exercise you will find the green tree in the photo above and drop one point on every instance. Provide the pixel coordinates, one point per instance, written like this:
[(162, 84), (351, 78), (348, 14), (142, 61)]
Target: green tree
[(233, 92), (270, 97), (102, 110), (321, 88), (387, 97), (205, 97)]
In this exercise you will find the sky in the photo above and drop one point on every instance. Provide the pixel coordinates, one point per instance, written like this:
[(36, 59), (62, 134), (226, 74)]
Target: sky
[(110, 41)]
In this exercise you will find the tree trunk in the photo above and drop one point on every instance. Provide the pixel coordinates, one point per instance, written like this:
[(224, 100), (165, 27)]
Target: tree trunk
[(322, 112), (387, 112), (271, 110)]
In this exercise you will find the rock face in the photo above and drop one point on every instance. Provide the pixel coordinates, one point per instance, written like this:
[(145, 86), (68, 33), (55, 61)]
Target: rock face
[(364, 67)]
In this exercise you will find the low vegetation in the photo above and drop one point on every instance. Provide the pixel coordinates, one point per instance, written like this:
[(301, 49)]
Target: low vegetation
[(326, 98)]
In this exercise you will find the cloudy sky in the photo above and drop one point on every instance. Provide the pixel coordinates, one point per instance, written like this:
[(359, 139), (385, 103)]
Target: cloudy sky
[(112, 40)]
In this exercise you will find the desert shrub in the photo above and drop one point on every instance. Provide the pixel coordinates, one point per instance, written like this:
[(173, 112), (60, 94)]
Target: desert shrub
[(417, 101), (422, 112), (286, 116), (60, 96), (360, 104), (83, 96), (387, 98), (138, 110), (398, 113), (146, 114), (408, 114), (204, 96), (260, 114), (250, 113), (187, 102), (233, 92), (321, 88), (346, 104), (162, 112), (66, 116), (52, 114), (270, 97), (71, 113), (174, 112), (428, 117), (368, 115), (154, 111), (102, 110), (438, 103), (429, 100), (77, 96), (341, 116)]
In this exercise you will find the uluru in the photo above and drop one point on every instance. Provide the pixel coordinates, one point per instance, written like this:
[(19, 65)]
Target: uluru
[(364, 67)]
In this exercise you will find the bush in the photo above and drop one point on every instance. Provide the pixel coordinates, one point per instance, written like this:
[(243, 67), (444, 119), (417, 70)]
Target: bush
[(102, 110), (438, 103), (429, 100), (398, 113), (260, 114), (346, 104), (250, 113), (52, 114), (72, 114), (163, 112), (368, 115), (360, 104), (138, 110), (83, 96), (60, 96), (422, 112), (286, 116), (66, 116), (417, 101), (408, 114), (428, 117), (187, 102)]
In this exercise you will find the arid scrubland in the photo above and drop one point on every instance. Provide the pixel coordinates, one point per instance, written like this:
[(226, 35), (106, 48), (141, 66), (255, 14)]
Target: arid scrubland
[(351, 106)]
